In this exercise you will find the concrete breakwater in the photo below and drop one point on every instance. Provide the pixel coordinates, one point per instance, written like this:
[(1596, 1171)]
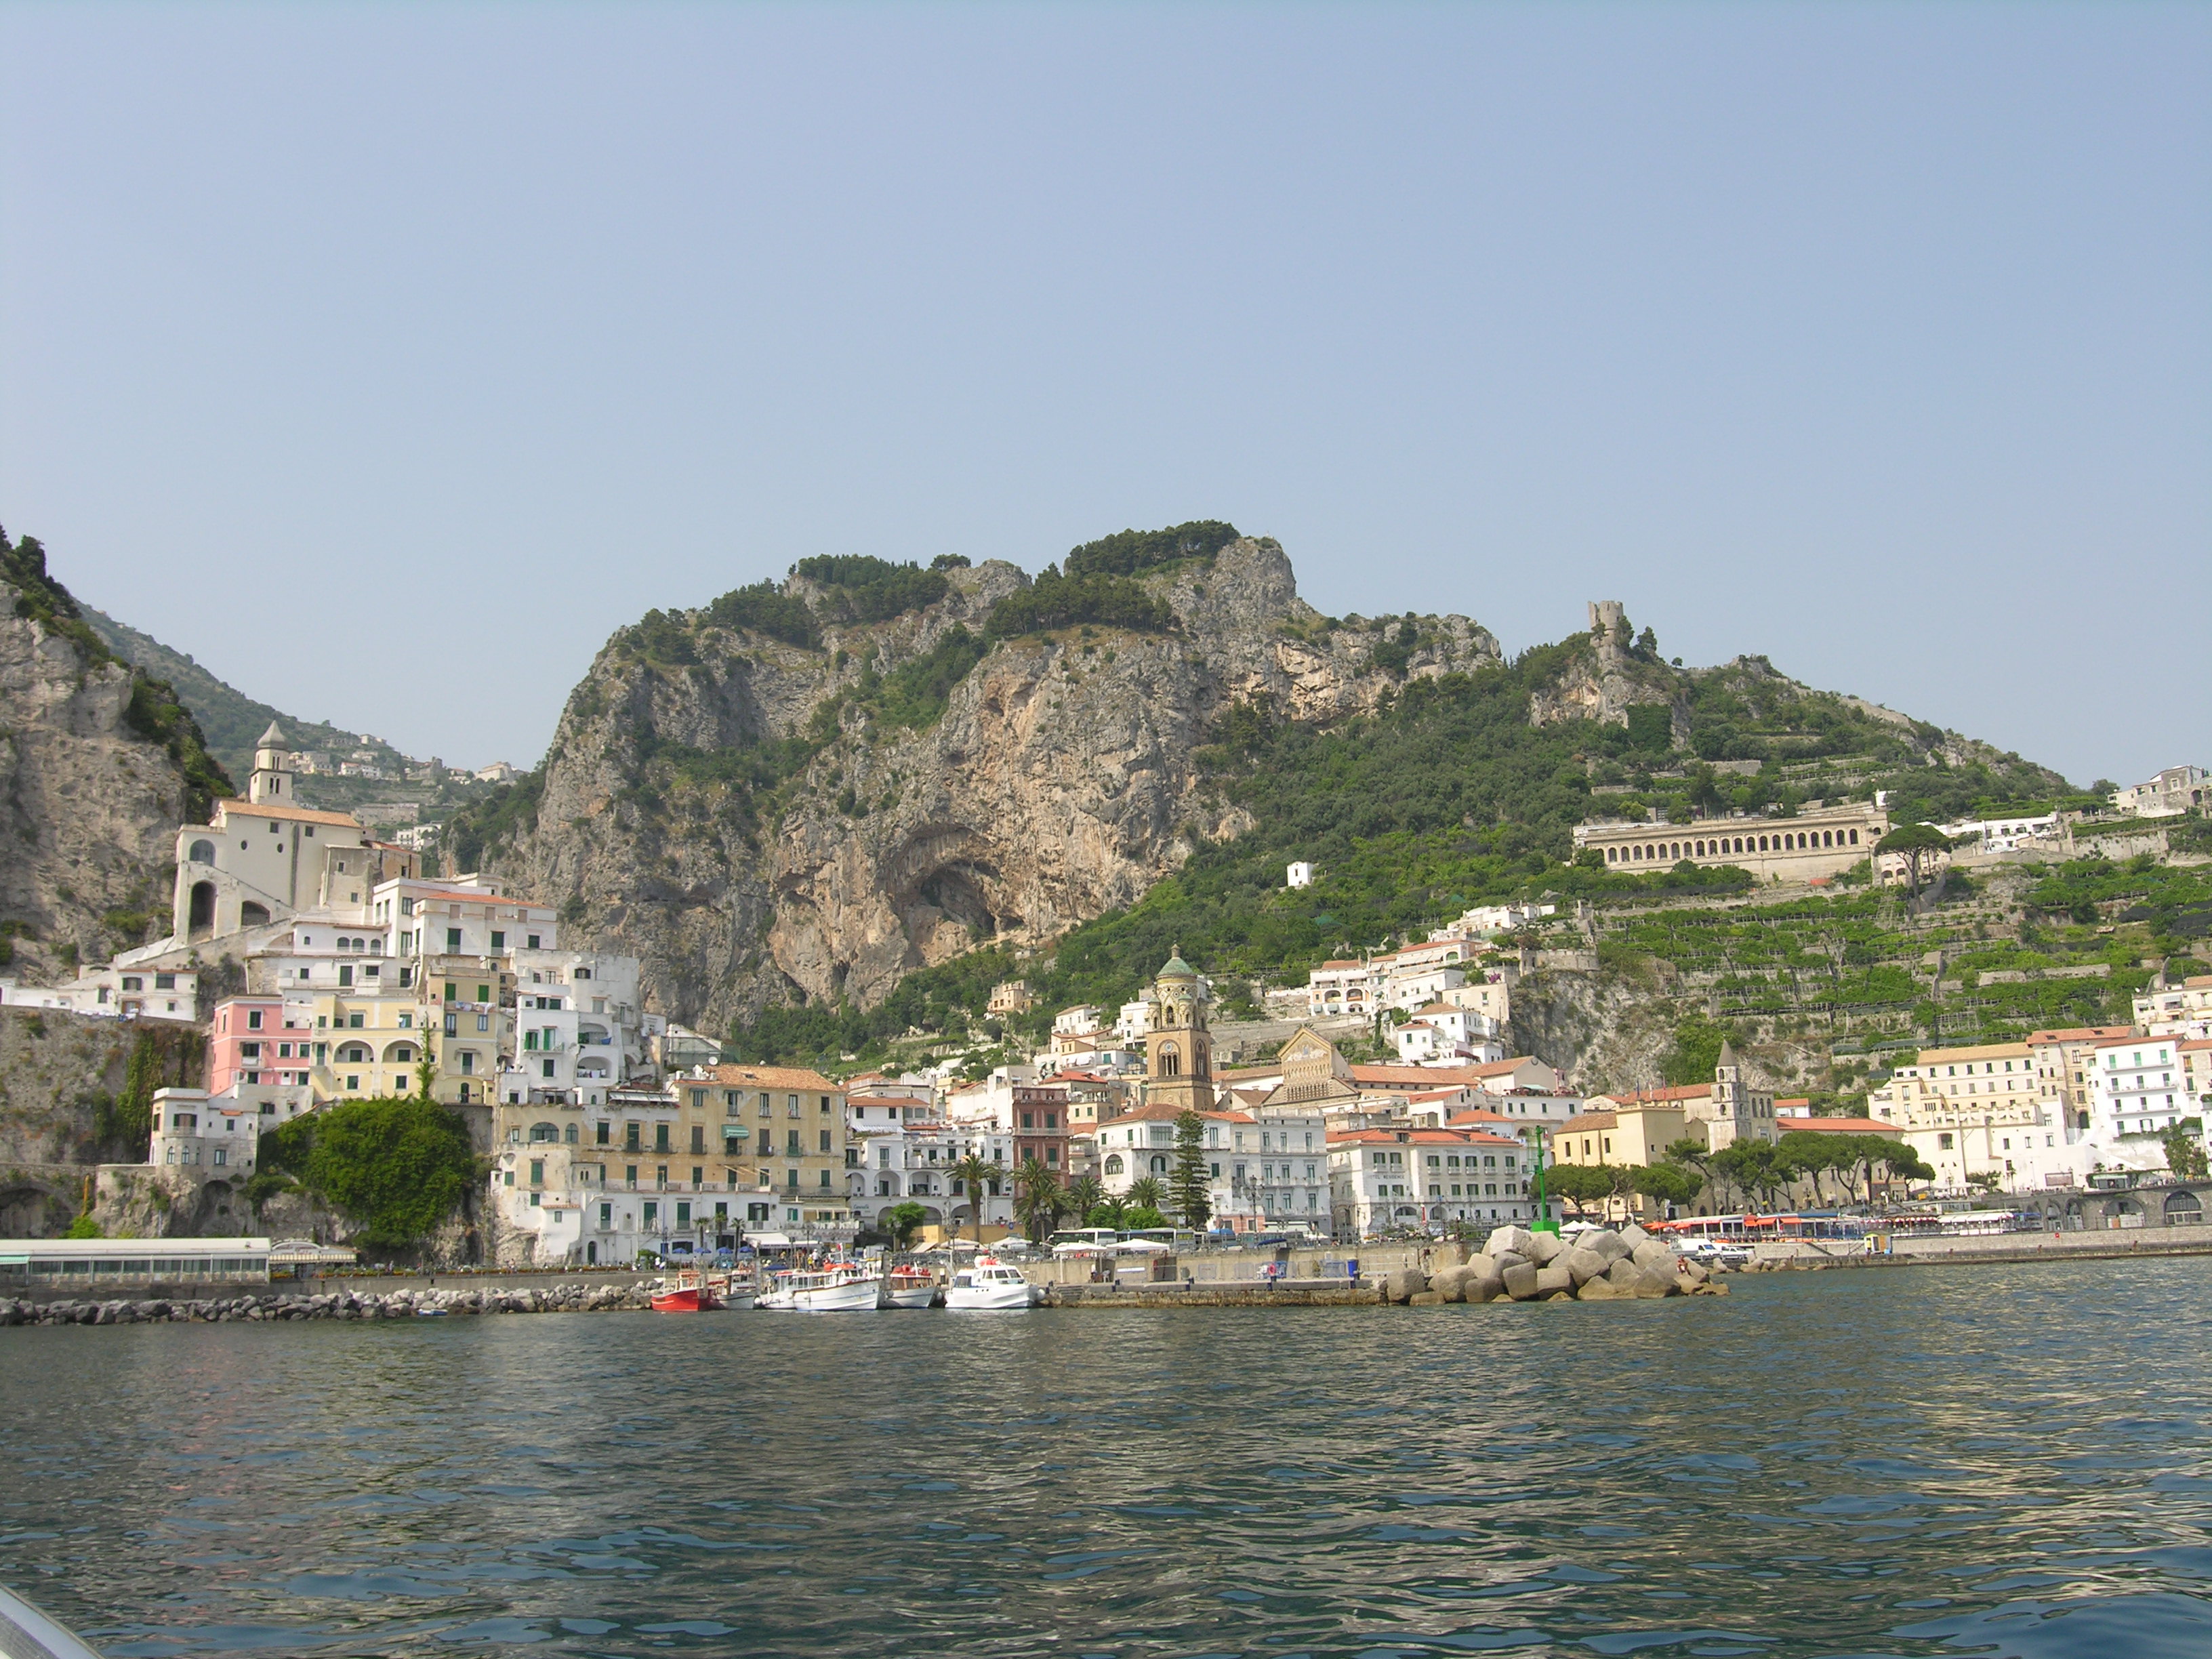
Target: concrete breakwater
[(1517, 1265), (335, 1304)]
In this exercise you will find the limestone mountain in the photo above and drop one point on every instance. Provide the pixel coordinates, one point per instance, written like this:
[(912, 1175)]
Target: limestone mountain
[(807, 793), (101, 763), (815, 815)]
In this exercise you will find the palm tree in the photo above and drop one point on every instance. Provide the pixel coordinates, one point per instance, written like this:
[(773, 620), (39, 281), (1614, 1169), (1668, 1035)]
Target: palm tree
[(1085, 1194), (1145, 1193), (1039, 1200), (971, 1172)]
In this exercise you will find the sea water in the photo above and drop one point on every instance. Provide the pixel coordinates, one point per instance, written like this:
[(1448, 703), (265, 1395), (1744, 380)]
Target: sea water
[(2001, 1460)]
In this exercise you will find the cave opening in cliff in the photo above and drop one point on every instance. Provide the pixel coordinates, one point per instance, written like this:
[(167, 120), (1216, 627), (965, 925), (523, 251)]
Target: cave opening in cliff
[(954, 893)]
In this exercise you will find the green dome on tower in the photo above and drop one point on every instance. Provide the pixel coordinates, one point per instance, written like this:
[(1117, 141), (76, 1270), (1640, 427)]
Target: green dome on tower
[(1177, 968)]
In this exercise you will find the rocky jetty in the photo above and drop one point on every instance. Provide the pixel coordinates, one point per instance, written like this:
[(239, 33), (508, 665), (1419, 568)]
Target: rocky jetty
[(334, 1304), (1516, 1265)]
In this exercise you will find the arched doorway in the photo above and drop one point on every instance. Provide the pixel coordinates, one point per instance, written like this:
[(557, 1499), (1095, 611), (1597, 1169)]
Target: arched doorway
[(2184, 1209), (200, 917)]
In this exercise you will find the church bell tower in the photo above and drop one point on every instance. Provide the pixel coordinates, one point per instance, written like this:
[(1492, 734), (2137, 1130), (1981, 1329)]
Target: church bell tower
[(271, 782), (1178, 1052)]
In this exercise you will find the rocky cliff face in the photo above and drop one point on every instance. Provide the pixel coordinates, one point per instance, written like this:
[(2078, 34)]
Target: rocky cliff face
[(88, 802), (756, 820)]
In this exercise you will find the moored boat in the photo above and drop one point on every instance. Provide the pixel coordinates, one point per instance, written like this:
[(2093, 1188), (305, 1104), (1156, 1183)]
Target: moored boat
[(907, 1286), (844, 1287), (990, 1285), (687, 1292)]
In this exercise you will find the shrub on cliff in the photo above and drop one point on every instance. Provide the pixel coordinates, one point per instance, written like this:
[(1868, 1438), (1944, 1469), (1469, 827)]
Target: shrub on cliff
[(1132, 550), (397, 1168), (1056, 601), (764, 608), (863, 588)]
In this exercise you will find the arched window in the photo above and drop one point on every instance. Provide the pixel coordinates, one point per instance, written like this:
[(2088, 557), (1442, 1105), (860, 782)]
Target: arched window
[(540, 1133), (1159, 1165), (203, 852), (251, 915), (1170, 1061), (1113, 1165), (570, 1134)]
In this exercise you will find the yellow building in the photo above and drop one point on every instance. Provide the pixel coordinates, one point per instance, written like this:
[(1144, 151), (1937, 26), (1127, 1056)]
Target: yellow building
[(366, 1045), (1960, 1108), (783, 1125), (1620, 1129)]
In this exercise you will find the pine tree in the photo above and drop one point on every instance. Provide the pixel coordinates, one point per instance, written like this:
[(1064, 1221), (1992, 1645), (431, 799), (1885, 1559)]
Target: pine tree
[(1190, 1180)]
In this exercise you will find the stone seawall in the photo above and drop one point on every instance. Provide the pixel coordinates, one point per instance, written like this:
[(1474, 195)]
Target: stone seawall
[(266, 1306)]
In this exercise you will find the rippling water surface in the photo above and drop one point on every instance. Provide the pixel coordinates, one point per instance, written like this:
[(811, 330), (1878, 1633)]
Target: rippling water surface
[(2009, 1460)]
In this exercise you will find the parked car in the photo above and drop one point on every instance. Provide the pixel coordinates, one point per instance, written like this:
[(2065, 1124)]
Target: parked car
[(1714, 1252)]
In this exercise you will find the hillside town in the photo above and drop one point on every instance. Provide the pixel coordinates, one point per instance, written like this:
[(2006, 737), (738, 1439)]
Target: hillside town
[(609, 1132)]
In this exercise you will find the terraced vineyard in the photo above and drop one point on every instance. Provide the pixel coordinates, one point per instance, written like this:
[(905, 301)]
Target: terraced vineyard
[(1837, 982)]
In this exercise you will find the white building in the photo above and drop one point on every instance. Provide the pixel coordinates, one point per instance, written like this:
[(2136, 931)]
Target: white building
[(1299, 875), (1411, 988), (2177, 1010), (1134, 1023), (1443, 1034), (1383, 1178), (213, 1137), (2140, 1086), (2005, 835), (1486, 920), (1344, 987), (580, 1031), (114, 993)]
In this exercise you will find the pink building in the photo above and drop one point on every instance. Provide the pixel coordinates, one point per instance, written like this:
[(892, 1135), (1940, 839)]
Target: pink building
[(250, 1043)]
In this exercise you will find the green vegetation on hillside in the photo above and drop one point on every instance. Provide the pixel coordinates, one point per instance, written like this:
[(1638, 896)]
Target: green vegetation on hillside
[(1056, 601), (864, 589), (154, 712), (1133, 550), (764, 608), (483, 826), (232, 721), (398, 1169), (1448, 797)]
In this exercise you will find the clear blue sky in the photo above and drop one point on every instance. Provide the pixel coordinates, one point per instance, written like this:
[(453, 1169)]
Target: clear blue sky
[(386, 358)]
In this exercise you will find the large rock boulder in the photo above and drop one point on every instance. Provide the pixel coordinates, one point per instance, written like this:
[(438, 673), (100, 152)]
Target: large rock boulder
[(1554, 1279), (1651, 1285), (1632, 1235), (1607, 1244), (1521, 1280), (1653, 1254), (1623, 1274), (1405, 1284), (1483, 1284), (1602, 1289), (1425, 1299), (1506, 1259), (1518, 1241), (1544, 1249), (1450, 1282), (1690, 1272), (1584, 1264)]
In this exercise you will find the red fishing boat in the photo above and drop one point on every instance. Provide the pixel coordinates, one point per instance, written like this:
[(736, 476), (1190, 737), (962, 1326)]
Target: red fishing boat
[(687, 1292)]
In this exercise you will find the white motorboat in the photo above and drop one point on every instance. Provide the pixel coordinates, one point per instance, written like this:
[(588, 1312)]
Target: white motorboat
[(909, 1287), (835, 1289), (990, 1285)]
